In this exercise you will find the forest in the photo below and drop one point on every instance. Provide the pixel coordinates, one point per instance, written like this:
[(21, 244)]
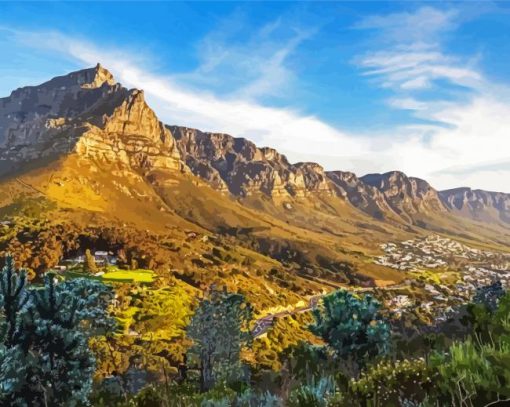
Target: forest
[(63, 342)]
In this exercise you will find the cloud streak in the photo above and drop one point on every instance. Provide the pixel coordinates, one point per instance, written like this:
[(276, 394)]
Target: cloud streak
[(459, 147)]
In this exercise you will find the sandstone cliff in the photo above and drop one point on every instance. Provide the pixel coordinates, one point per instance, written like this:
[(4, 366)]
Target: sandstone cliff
[(478, 204), (90, 116), (407, 196), (86, 113), (238, 166), (361, 195)]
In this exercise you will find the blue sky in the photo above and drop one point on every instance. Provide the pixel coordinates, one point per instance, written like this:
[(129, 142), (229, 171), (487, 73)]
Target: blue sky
[(363, 86)]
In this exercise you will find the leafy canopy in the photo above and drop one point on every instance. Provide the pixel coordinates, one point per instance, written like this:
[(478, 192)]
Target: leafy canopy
[(44, 338), (219, 329), (352, 326)]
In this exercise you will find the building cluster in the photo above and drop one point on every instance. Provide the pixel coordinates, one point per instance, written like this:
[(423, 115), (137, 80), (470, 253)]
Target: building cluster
[(474, 268), (101, 258)]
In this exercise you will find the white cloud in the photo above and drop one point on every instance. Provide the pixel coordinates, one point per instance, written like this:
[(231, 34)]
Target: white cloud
[(471, 130), (422, 25), (473, 134), (251, 69), (408, 68)]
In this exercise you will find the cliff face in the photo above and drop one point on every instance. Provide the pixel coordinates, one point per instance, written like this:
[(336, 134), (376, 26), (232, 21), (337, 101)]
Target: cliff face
[(90, 116), (238, 166), (405, 195), (361, 195), (86, 113), (478, 204)]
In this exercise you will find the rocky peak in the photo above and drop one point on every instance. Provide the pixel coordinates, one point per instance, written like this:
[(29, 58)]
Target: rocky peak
[(88, 113), (313, 178), (407, 196), (95, 77), (478, 204), (239, 166), (361, 195)]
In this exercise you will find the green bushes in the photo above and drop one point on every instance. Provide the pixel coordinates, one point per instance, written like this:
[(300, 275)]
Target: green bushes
[(389, 382), (220, 329), (352, 327), (47, 333), (474, 374), (44, 333), (318, 393)]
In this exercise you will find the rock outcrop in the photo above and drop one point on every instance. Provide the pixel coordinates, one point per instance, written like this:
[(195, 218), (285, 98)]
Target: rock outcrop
[(86, 113), (361, 195), (238, 166), (477, 204), (407, 196)]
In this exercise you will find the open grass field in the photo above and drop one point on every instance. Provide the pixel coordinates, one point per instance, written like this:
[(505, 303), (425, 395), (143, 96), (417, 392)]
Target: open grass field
[(128, 276)]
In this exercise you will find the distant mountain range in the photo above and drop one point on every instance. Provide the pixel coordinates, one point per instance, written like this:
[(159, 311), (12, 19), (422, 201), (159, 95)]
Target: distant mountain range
[(88, 144)]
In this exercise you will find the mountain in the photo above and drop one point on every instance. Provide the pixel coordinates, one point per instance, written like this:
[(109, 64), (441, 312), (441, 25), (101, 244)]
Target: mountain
[(238, 166), (89, 114), (85, 162), (407, 196), (362, 195), (478, 204)]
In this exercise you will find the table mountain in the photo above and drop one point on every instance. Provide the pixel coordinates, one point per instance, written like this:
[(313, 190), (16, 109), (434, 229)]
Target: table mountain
[(94, 152), (88, 113)]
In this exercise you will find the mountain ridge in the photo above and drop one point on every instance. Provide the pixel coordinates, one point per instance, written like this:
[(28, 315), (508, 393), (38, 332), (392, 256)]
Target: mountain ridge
[(103, 153)]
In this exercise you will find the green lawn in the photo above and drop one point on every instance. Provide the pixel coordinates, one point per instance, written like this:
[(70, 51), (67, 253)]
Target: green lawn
[(116, 275), (128, 276)]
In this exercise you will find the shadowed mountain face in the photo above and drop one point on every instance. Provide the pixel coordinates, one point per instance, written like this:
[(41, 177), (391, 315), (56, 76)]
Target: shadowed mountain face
[(407, 196), (362, 195), (238, 166), (478, 204)]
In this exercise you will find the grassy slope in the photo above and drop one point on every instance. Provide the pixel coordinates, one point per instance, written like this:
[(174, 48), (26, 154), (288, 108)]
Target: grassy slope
[(257, 235)]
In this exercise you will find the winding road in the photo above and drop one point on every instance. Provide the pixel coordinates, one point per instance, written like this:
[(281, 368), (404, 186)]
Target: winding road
[(264, 323)]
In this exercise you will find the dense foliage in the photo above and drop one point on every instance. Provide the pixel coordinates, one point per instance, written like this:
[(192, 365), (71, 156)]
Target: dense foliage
[(44, 350), (77, 342), (352, 327), (219, 330)]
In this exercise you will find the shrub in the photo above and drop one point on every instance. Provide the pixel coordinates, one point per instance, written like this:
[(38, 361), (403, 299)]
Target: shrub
[(352, 326), (388, 382), (321, 393)]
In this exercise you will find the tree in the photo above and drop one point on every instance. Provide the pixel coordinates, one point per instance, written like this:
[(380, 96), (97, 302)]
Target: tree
[(13, 299), (352, 326), (219, 329), (489, 295), (90, 262), (14, 362), (44, 350)]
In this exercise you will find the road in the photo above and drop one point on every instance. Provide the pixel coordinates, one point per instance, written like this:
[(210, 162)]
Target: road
[(264, 323)]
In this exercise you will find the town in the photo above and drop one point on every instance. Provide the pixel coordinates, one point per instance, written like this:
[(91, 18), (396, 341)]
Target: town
[(448, 272)]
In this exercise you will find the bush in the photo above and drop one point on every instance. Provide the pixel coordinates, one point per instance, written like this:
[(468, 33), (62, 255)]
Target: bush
[(353, 327), (321, 393), (388, 382)]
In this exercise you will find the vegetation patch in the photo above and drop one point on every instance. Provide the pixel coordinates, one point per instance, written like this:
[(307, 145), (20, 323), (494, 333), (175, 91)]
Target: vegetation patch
[(128, 276)]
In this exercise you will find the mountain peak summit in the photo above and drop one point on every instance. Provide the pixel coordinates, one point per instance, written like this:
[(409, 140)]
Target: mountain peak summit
[(95, 77)]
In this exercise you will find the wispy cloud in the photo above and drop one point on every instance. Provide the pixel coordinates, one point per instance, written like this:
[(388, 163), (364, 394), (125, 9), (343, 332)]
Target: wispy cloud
[(461, 145), (252, 68), (424, 25), (468, 130), (412, 57), (409, 68), (286, 129)]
